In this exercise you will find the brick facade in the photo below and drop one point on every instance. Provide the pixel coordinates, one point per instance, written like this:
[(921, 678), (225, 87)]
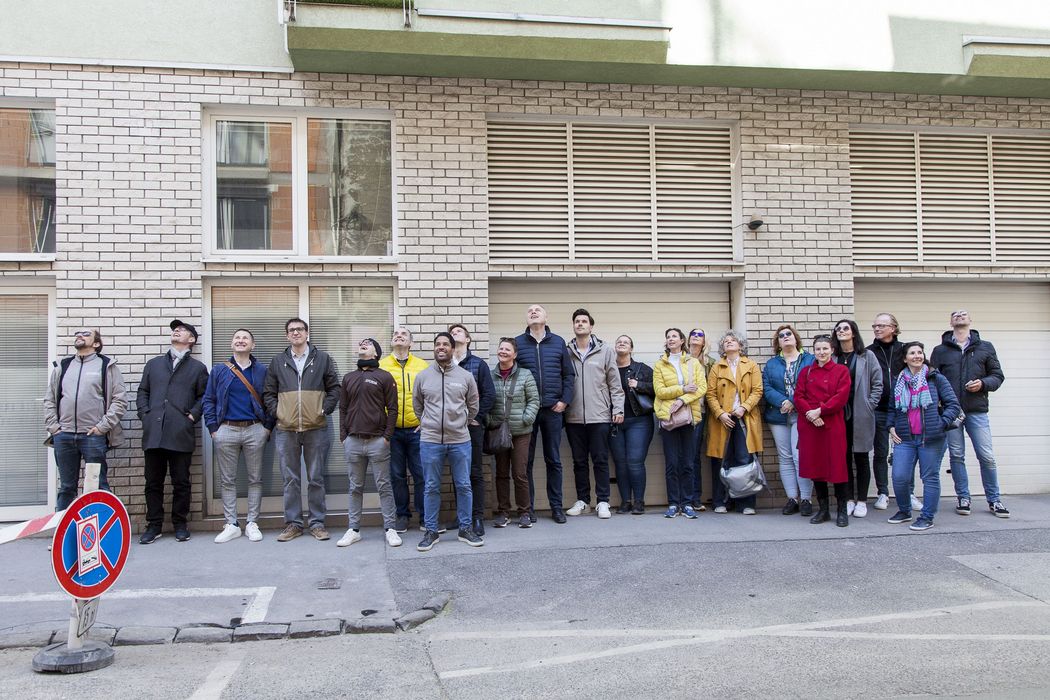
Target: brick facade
[(129, 186)]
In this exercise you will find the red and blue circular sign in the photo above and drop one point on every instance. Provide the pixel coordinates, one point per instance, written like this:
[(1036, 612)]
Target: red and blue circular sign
[(91, 544)]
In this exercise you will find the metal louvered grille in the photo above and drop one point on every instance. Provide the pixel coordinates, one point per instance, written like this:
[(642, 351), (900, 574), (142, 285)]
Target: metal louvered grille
[(578, 192), (954, 198)]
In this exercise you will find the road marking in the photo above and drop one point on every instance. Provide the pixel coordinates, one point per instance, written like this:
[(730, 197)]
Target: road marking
[(700, 636), (256, 610), (260, 592), (221, 675)]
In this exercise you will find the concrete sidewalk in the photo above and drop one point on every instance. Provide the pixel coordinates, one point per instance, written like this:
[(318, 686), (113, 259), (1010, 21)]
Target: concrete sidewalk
[(173, 585)]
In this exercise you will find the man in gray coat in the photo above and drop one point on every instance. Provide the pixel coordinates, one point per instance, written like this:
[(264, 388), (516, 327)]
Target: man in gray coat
[(85, 401), (170, 404)]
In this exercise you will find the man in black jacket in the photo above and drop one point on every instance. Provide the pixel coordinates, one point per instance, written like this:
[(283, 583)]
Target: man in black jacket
[(170, 405), (973, 369)]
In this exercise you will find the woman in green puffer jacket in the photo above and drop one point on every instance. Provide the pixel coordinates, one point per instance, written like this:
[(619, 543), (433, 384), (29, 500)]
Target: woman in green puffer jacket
[(517, 400)]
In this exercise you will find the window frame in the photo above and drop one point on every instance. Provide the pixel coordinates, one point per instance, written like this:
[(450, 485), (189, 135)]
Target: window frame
[(32, 103), (297, 118), (336, 503)]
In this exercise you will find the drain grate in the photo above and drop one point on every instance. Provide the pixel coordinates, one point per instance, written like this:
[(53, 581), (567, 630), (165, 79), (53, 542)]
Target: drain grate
[(329, 584)]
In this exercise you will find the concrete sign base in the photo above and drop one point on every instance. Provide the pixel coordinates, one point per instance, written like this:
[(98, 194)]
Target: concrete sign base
[(59, 658)]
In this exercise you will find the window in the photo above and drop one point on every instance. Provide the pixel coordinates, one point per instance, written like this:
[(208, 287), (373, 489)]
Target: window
[(302, 186), (24, 371), (339, 317), (950, 197), (578, 192), (27, 181)]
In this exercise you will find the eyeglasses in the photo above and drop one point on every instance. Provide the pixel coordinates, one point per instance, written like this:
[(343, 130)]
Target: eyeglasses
[(877, 326), (822, 337), (839, 329), (785, 334), (83, 334), (297, 329), (696, 334)]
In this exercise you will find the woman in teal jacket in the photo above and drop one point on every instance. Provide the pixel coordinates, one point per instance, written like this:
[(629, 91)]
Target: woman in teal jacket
[(517, 401)]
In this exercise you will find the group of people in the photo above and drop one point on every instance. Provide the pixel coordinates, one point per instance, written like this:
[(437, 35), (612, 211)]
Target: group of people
[(403, 416)]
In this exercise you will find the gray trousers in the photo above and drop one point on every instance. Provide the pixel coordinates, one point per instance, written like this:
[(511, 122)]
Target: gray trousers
[(230, 441), (311, 447), (360, 454)]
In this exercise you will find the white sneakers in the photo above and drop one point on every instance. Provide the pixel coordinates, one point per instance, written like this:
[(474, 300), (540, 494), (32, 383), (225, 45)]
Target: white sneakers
[(850, 507), (882, 502), (579, 508), (349, 538), (392, 538), (748, 511), (229, 532), (252, 530), (861, 510), (916, 504), (603, 510)]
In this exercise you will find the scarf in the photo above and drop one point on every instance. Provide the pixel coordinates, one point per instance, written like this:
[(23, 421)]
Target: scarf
[(911, 395), (368, 364)]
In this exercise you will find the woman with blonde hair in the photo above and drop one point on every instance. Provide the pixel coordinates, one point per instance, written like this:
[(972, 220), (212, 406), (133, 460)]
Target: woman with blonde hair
[(698, 349), (678, 380), (734, 390)]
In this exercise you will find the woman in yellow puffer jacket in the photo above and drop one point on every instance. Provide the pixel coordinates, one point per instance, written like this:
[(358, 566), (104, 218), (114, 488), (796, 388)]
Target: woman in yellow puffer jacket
[(680, 385)]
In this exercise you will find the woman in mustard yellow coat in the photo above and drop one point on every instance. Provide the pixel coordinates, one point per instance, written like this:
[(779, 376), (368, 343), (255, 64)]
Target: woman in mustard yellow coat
[(734, 390), (678, 380)]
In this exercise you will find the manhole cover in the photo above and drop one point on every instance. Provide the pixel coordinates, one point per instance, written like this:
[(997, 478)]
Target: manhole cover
[(329, 584)]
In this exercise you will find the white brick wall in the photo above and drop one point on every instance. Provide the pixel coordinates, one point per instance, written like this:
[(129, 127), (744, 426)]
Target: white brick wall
[(130, 228)]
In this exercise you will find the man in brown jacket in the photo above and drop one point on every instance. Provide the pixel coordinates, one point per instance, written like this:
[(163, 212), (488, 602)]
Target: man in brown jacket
[(367, 415)]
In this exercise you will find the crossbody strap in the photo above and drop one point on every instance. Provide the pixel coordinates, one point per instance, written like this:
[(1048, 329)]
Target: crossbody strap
[(245, 382)]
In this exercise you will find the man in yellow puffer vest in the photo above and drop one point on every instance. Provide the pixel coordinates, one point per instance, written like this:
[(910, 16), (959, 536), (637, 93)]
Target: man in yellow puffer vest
[(404, 446)]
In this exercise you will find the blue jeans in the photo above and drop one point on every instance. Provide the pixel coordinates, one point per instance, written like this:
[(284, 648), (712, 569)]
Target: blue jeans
[(433, 456), (699, 433), (628, 446), (679, 446), (404, 460), (980, 431), (549, 424), (929, 455), (70, 449), (293, 449)]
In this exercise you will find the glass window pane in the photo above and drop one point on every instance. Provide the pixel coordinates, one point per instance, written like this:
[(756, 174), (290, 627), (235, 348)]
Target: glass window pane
[(350, 206), (253, 166), (23, 374), (27, 181), (263, 311), (340, 318)]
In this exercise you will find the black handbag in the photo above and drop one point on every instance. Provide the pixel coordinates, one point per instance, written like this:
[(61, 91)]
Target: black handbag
[(644, 402), (497, 437)]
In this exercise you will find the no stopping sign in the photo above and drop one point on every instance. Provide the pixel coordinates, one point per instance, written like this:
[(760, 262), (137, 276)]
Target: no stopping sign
[(91, 544)]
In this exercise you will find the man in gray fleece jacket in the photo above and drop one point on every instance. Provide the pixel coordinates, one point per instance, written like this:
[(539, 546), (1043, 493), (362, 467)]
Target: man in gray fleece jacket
[(445, 399), (85, 401)]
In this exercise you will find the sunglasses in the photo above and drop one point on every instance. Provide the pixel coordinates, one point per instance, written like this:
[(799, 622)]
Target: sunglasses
[(696, 334), (842, 328), (83, 334), (785, 334)]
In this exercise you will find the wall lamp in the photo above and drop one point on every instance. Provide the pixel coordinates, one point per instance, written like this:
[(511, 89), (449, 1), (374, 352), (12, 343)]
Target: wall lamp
[(755, 223)]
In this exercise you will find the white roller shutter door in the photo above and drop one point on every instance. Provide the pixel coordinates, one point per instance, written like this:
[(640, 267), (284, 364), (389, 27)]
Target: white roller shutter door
[(642, 310), (1015, 317)]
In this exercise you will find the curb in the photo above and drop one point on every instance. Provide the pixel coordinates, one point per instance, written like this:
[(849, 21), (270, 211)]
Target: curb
[(208, 633)]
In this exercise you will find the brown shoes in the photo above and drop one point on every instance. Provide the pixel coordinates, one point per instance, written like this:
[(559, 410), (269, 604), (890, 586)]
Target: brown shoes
[(318, 532), (290, 532)]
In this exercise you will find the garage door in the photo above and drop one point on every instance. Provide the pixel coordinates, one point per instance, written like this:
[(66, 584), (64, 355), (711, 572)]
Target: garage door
[(1015, 317), (642, 310)]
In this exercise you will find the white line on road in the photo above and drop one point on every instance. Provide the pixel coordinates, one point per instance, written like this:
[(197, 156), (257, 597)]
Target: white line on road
[(221, 675), (262, 591), (256, 610), (709, 635)]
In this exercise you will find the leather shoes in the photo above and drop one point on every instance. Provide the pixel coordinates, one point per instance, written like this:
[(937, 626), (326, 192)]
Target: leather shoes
[(558, 516), (790, 508), (805, 508)]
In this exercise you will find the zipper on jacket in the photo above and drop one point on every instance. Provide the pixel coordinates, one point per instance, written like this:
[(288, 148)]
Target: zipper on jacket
[(539, 363), (404, 393), (442, 407), (76, 396)]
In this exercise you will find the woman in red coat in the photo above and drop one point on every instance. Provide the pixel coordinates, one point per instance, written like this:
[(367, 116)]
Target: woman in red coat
[(820, 396)]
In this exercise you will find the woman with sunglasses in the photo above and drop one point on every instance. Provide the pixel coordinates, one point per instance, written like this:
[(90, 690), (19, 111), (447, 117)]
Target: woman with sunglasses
[(734, 390), (679, 382), (925, 408), (629, 441), (820, 398), (780, 377), (698, 350), (865, 375)]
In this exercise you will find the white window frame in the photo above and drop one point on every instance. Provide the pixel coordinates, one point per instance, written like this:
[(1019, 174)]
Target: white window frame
[(29, 103), (31, 287), (297, 118), (335, 504), (915, 132), (736, 196)]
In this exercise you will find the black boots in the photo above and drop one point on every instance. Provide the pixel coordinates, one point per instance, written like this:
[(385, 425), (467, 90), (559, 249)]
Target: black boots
[(842, 519), (822, 515)]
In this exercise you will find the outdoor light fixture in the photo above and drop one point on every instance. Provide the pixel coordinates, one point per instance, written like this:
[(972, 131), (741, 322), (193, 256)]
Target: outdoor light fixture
[(755, 223)]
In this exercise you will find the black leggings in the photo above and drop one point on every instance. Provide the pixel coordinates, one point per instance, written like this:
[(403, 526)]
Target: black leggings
[(858, 469), (821, 488)]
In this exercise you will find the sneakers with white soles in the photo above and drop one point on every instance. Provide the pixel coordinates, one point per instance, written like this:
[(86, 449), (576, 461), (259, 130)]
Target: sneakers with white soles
[(850, 507), (253, 532), (349, 538), (229, 532), (748, 511), (882, 502), (603, 510), (916, 503), (578, 508), (861, 510), (392, 538)]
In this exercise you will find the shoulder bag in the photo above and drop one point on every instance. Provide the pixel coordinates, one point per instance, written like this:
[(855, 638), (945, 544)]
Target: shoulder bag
[(498, 438)]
